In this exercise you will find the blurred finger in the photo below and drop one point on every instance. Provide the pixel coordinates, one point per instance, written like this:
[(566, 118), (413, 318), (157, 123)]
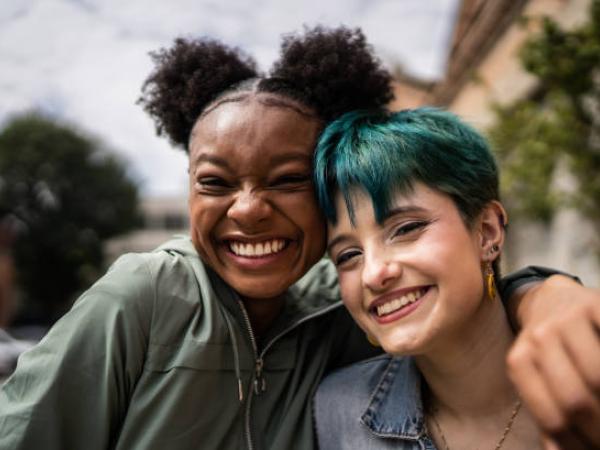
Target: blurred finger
[(582, 340), (549, 444), (574, 397), (571, 441), (534, 392)]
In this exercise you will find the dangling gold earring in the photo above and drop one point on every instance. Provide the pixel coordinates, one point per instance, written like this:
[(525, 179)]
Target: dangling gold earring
[(374, 342), (490, 282)]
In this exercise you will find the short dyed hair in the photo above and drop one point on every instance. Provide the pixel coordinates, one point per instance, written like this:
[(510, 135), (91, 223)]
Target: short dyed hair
[(383, 153)]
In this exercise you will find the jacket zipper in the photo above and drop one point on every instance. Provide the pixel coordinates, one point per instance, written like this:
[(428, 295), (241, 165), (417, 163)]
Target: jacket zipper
[(255, 375), (258, 382)]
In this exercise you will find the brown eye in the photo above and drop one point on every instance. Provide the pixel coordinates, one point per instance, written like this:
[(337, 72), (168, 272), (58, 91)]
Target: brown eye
[(290, 180), (410, 227), (346, 256), (212, 184)]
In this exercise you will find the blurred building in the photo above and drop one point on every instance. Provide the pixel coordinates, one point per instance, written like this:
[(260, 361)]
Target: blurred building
[(483, 68), (163, 217)]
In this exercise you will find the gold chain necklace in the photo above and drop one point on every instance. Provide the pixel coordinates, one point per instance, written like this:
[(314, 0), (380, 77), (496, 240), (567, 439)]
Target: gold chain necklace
[(507, 428)]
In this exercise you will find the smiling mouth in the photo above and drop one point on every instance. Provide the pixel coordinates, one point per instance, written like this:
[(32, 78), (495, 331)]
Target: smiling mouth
[(398, 303), (258, 249)]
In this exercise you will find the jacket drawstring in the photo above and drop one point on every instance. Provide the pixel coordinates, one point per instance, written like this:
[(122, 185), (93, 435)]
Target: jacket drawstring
[(236, 357)]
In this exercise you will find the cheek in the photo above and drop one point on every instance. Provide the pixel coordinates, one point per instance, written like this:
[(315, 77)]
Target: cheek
[(457, 266), (351, 291), (303, 211), (315, 234), (204, 217), (450, 250), (207, 210)]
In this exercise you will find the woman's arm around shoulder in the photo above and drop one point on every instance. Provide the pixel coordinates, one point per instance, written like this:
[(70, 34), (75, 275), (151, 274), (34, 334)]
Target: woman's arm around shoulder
[(555, 361)]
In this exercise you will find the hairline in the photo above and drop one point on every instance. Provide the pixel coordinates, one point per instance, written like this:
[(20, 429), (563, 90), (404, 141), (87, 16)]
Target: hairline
[(270, 99)]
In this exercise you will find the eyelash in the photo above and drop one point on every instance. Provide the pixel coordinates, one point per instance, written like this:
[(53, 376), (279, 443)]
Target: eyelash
[(346, 256), (212, 184), (410, 227), (290, 179), (220, 183)]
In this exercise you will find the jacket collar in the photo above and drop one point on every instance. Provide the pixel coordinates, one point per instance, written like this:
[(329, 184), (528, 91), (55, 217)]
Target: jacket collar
[(314, 294), (395, 407)]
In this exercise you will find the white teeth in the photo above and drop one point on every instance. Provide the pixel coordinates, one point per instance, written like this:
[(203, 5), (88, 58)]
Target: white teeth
[(258, 249), (397, 303)]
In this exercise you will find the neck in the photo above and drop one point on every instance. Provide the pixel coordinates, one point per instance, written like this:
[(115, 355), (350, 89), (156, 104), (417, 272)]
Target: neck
[(466, 373), (262, 313)]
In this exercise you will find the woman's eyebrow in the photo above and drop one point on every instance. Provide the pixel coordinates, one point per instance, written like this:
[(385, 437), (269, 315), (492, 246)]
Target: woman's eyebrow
[(336, 240), (400, 210), (281, 158), (216, 160)]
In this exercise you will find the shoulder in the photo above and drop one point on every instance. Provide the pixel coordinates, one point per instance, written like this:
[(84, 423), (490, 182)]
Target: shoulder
[(351, 386), (126, 286), (342, 399), (136, 283), (366, 400)]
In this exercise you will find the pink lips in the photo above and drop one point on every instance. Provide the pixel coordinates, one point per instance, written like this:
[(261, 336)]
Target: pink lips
[(399, 313)]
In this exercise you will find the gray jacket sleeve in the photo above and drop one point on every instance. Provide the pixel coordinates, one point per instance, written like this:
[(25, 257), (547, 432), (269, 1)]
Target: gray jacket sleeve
[(71, 390), (508, 284)]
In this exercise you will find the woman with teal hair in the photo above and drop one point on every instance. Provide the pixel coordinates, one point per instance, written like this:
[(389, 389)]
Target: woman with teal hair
[(416, 230)]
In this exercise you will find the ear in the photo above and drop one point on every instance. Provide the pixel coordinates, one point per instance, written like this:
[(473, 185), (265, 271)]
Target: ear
[(491, 225)]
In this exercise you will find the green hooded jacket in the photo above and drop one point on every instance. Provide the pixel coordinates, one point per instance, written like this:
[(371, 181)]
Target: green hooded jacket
[(158, 354)]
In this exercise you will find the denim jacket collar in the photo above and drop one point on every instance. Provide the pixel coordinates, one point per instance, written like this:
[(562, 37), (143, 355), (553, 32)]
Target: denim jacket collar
[(385, 415)]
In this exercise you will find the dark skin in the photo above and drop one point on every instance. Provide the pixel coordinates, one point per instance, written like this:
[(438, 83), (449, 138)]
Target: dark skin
[(251, 185)]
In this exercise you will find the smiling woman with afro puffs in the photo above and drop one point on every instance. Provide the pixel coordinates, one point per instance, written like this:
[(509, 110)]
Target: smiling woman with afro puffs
[(218, 341)]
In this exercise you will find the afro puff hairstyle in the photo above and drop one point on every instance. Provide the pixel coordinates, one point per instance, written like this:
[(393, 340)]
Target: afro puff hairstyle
[(331, 71)]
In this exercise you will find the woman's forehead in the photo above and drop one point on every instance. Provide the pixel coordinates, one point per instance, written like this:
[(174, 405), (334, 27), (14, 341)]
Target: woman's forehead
[(250, 128)]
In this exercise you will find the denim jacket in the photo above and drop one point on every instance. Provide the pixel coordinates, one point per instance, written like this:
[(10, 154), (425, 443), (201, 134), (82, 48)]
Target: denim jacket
[(371, 405)]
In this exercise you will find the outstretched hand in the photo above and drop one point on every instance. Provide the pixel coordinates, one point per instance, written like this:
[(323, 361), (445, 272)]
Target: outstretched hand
[(555, 362)]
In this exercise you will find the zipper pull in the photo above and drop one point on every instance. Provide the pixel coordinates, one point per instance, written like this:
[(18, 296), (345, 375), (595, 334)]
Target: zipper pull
[(240, 390), (260, 384)]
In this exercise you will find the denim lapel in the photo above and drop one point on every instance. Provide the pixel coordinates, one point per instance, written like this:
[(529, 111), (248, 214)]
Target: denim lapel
[(395, 408)]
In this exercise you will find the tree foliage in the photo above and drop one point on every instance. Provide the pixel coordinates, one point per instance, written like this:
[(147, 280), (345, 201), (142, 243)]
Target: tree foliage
[(63, 196), (559, 127)]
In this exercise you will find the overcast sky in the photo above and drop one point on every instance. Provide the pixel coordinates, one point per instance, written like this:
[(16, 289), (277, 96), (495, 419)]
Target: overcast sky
[(84, 61)]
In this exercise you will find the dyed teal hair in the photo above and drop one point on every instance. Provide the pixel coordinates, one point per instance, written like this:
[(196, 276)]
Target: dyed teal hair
[(383, 153)]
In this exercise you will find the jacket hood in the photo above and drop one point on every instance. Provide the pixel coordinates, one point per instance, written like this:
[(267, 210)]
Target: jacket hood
[(179, 244)]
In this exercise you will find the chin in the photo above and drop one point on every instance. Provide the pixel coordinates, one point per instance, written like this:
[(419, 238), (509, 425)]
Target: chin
[(403, 345)]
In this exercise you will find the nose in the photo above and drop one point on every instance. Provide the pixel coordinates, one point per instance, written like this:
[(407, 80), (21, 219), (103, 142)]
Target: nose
[(249, 209), (380, 270)]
